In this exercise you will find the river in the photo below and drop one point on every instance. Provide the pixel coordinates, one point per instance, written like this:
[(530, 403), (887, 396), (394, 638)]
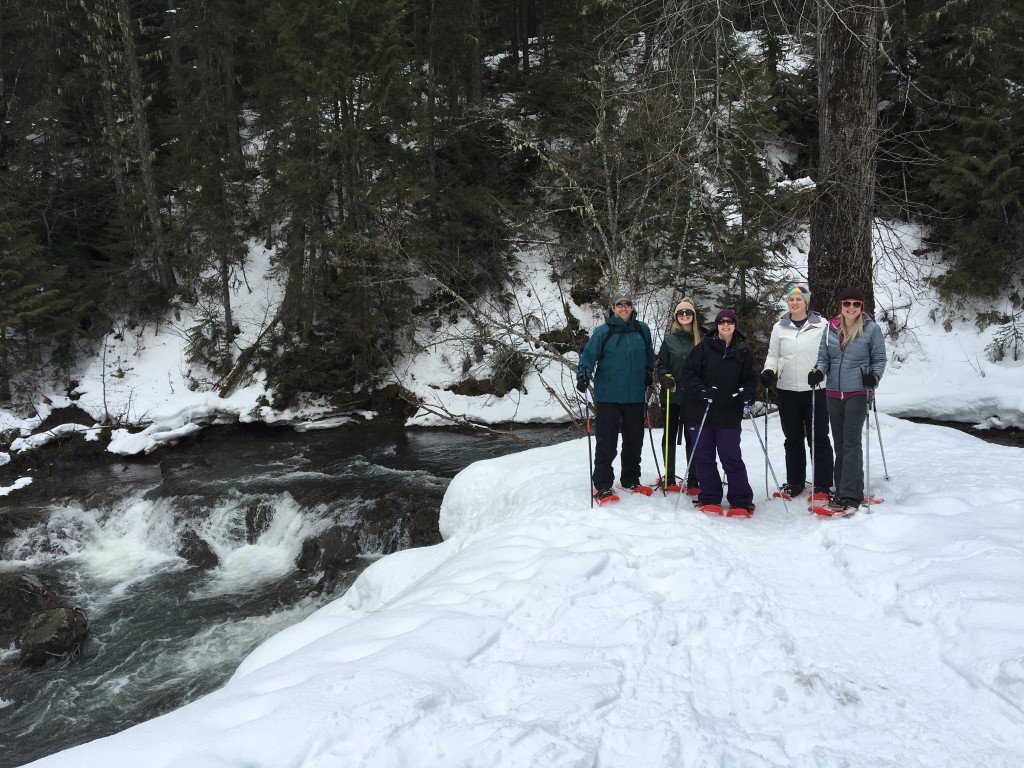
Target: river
[(163, 633)]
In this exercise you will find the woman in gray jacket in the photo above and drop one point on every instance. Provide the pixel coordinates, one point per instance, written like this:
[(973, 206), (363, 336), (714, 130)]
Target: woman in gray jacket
[(851, 361)]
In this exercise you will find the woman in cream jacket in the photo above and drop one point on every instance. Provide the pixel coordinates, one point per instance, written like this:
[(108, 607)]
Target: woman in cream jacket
[(792, 350)]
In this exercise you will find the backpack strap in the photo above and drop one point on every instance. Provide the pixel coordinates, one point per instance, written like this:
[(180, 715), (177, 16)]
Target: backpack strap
[(614, 330)]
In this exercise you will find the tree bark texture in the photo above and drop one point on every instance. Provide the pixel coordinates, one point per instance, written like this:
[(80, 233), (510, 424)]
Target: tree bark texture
[(843, 205), (160, 256)]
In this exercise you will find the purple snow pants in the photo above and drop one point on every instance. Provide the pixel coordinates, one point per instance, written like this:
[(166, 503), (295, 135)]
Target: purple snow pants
[(726, 442)]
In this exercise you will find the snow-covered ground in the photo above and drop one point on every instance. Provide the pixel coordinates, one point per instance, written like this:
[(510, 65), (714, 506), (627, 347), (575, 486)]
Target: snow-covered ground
[(544, 633)]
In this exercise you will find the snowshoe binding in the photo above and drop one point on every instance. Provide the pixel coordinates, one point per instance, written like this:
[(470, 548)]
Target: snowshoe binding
[(643, 490), (741, 510), (838, 507), (670, 488)]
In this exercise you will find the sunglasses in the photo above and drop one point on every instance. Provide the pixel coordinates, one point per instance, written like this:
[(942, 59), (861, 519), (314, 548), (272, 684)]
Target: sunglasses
[(624, 304), (856, 304), (726, 322), (684, 313)]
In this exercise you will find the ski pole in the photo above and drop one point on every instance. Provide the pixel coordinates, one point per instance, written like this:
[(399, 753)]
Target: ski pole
[(693, 453), (867, 455), (814, 440), (767, 494), (590, 455), (753, 421), (878, 433), (668, 410), (654, 450)]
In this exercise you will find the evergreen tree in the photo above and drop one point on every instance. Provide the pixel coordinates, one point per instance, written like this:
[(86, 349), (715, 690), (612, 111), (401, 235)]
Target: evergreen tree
[(54, 182), (205, 167), (333, 103), (952, 154), (33, 310), (122, 43), (974, 49)]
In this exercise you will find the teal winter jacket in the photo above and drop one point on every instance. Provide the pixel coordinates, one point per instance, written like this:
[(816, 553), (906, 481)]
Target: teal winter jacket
[(619, 359)]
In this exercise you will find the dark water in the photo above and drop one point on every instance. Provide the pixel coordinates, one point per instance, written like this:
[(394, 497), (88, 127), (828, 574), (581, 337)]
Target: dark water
[(1011, 436), (163, 633)]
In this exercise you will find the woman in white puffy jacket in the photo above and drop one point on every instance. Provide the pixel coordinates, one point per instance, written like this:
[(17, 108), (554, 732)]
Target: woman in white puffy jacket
[(792, 349)]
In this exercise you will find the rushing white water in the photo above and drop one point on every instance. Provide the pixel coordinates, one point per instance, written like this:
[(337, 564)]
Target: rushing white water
[(109, 551), (163, 632), (111, 548), (271, 557)]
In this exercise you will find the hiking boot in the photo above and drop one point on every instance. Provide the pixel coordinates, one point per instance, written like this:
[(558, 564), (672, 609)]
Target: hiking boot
[(603, 494), (843, 506), (792, 490)]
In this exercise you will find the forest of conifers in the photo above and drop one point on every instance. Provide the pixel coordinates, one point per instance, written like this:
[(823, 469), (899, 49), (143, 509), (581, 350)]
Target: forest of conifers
[(396, 154)]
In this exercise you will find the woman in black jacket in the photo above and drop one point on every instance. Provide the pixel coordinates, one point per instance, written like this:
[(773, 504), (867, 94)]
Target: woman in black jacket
[(719, 380), (679, 343)]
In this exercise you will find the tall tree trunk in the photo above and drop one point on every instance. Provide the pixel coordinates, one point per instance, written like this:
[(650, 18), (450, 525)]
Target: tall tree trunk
[(431, 95), (224, 268), (295, 300), (475, 76), (524, 33), (157, 247), (3, 61), (842, 209), (5, 379), (118, 162)]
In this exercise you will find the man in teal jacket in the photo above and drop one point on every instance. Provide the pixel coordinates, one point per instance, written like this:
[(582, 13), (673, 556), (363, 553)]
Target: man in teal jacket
[(619, 359)]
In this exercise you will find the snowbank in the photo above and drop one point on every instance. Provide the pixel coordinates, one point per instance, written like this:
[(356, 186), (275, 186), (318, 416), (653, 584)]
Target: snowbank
[(543, 633)]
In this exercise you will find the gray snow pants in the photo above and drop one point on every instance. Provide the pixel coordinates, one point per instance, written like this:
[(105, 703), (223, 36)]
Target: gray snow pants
[(847, 419)]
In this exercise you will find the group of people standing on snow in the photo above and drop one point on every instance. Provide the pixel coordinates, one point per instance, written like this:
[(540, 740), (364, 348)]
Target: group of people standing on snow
[(824, 372)]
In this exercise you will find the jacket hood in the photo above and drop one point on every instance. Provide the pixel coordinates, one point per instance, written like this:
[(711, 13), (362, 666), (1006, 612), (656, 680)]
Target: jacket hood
[(812, 317)]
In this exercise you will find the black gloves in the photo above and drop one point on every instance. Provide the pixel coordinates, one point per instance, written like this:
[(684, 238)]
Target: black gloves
[(815, 377), (768, 377), (648, 378), (869, 379), (581, 383), (667, 382)]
